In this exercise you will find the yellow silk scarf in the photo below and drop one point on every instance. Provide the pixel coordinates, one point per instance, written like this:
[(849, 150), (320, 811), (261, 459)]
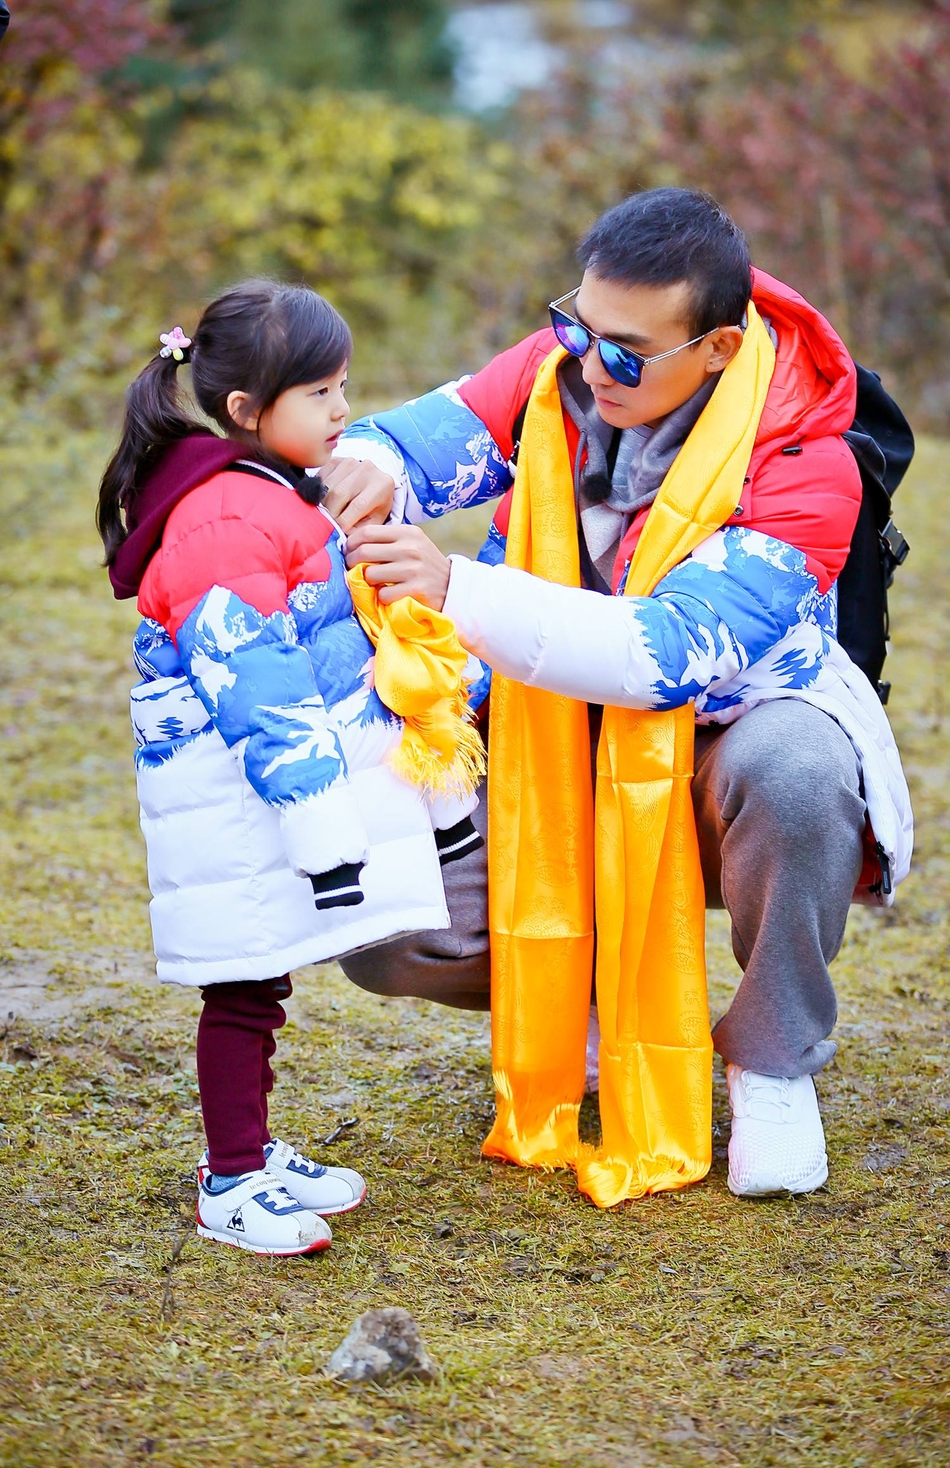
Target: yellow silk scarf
[(418, 673), (559, 858)]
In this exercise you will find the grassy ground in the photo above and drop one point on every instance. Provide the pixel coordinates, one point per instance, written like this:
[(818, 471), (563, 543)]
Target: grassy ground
[(687, 1329)]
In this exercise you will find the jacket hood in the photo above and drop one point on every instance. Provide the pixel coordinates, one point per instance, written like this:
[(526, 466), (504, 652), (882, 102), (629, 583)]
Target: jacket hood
[(814, 386), (181, 468)]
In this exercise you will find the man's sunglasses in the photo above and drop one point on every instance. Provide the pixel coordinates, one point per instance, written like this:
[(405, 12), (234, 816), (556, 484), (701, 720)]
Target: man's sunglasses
[(624, 365)]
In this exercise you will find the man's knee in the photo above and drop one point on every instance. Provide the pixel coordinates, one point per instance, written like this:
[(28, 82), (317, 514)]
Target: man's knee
[(432, 965), (447, 965), (793, 771)]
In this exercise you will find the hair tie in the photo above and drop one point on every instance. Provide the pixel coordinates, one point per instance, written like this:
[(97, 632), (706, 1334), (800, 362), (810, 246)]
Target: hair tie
[(175, 344)]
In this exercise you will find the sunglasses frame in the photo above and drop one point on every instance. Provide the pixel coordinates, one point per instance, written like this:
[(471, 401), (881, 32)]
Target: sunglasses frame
[(601, 341)]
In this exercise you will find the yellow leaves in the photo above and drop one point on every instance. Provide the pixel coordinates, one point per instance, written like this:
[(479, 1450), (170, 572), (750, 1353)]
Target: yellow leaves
[(375, 203), (325, 186), (58, 208)]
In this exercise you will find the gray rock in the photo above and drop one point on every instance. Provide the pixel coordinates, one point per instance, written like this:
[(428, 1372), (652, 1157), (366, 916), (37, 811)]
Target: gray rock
[(381, 1345)]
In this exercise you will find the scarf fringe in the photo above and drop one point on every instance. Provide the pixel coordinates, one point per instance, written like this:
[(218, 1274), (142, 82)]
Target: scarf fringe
[(420, 675), (456, 770)]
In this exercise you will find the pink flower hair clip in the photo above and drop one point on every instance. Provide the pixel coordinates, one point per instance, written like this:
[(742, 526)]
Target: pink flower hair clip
[(174, 344)]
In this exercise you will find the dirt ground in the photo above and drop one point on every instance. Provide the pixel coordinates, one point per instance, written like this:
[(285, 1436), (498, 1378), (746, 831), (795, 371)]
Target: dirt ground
[(683, 1330)]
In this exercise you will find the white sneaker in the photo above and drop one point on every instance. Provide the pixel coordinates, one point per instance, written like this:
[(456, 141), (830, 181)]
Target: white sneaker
[(592, 1061), (777, 1143), (258, 1214), (327, 1190)]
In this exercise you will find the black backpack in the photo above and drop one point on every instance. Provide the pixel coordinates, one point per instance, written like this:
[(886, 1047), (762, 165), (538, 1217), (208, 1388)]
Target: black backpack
[(883, 445)]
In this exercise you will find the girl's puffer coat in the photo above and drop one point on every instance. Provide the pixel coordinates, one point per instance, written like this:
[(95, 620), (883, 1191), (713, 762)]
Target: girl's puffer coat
[(261, 745)]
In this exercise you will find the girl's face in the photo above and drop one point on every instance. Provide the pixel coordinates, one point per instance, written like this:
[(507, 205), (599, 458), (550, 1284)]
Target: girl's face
[(302, 425)]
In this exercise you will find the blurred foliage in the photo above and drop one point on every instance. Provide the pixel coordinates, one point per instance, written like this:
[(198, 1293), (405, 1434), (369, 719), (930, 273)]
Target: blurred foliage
[(742, 21), (149, 156), (844, 188), (826, 132), (368, 200), (394, 45)]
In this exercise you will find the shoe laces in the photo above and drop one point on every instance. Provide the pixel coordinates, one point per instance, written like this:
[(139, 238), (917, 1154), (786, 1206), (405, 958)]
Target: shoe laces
[(766, 1094), (298, 1162)]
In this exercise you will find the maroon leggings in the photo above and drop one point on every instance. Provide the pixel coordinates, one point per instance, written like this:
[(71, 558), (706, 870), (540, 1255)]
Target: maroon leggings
[(235, 1046)]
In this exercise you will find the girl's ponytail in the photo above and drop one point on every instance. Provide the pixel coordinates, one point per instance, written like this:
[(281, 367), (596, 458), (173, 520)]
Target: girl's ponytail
[(153, 420)]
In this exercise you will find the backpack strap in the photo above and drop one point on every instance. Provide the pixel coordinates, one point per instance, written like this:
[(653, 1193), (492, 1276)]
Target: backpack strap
[(882, 443), (517, 428)]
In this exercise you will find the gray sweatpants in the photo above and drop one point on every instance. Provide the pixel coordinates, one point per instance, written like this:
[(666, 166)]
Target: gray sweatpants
[(780, 816)]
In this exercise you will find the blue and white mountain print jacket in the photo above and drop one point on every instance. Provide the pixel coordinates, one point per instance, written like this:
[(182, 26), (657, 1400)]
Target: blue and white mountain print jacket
[(750, 616), (262, 747)]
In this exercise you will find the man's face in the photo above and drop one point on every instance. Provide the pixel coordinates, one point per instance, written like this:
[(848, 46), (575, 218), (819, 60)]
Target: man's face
[(651, 320)]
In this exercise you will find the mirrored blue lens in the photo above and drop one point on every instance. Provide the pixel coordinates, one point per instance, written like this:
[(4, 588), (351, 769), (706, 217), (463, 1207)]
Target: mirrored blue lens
[(570, 334), (623, 365)]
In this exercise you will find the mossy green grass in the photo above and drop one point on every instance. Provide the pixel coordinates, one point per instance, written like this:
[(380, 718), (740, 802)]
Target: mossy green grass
[(684, 1329)]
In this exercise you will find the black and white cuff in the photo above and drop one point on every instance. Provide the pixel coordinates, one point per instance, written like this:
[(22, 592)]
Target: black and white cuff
[(339, 888), (457, 841)]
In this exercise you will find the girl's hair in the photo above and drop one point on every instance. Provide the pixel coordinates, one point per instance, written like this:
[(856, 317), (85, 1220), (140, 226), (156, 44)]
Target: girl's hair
[(260, 338)]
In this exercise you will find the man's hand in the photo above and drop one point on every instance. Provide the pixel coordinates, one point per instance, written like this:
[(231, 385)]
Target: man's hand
[(401, 561), (357, 492)]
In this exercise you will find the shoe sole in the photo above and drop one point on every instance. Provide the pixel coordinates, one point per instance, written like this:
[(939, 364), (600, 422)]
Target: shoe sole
[(210, 1233), (335, 1212), (816, 1180)]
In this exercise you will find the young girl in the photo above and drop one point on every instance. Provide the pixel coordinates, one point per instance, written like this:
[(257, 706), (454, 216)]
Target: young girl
[(277, 834)]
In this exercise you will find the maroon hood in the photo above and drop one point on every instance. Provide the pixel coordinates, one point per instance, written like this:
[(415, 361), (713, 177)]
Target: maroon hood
[(182, 467)]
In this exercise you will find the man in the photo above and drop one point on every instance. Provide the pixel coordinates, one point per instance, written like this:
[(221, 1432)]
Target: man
[(798, 796)]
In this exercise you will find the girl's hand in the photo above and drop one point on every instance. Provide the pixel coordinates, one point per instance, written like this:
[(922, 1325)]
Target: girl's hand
[(357, 492), (401, 561)]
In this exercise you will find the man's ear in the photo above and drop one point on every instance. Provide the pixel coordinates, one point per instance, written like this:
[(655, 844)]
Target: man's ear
[(239, 410), (724, 343)]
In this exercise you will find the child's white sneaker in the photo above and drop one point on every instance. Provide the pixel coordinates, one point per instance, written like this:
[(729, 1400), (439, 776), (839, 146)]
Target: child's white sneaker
[(258, 1214), (777, 1143), (327, 1190)]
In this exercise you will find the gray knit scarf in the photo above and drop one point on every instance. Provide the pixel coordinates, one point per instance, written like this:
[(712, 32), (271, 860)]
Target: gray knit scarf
[(607, 501)]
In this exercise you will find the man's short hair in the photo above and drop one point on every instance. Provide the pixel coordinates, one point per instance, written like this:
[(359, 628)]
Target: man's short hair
[(667, 236)]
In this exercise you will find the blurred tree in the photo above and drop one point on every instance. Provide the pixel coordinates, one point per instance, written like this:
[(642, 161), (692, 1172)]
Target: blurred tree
[(752, 23), (300, 43), (840, 175), (86, 38), (372, 202), (844, 188), (63, 141), (397, 46), (366, 200), (440, 244), (202, 21)]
